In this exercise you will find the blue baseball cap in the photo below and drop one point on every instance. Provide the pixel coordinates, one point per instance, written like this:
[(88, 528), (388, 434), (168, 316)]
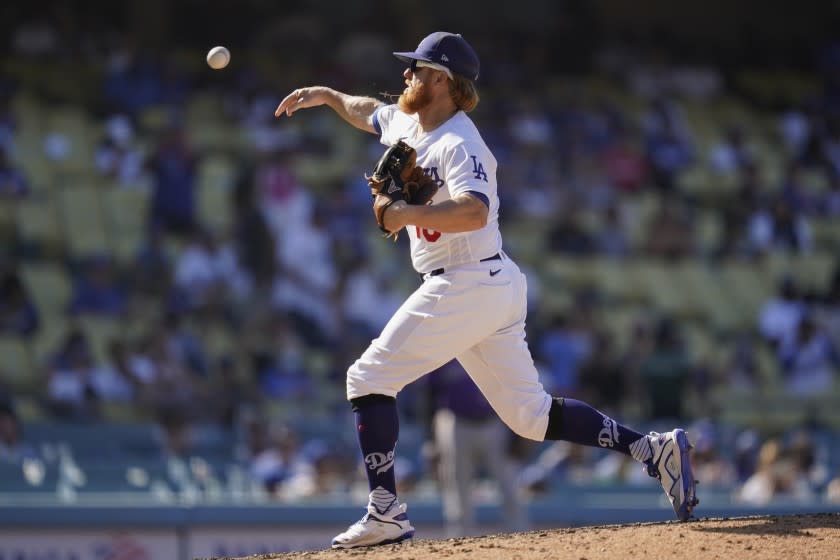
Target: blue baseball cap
[(447, 49)]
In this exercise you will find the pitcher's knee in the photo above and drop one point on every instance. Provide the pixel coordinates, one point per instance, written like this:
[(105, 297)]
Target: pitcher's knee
[(361, 383), (525, 424)]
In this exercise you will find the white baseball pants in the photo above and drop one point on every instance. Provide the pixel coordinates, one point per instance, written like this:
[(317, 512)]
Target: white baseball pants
[(471, 315)]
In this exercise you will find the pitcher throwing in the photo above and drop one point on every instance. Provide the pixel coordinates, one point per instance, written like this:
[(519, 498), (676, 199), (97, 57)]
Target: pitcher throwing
[(471, 304)]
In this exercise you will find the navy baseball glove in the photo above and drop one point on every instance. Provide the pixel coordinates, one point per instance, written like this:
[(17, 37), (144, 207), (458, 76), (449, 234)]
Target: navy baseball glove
[(397, 177)]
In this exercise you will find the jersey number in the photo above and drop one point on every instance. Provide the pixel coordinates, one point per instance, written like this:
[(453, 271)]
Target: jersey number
[(429, 235)]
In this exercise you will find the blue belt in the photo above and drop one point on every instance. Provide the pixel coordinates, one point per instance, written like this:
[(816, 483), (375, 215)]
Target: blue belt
[(439, 271)]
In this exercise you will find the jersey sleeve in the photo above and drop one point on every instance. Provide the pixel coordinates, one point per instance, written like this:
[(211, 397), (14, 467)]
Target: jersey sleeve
[(470, 167), (382, 119)]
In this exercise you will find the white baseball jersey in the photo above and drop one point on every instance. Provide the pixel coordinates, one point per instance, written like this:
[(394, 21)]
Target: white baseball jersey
[(475, 309), (455, 155)]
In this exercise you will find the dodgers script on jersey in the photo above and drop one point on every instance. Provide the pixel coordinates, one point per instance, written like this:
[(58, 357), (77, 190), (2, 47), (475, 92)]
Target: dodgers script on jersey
[(455, 155)]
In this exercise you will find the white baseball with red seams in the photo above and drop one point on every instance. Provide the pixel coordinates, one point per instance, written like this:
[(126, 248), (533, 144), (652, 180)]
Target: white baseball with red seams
[(475, 310)]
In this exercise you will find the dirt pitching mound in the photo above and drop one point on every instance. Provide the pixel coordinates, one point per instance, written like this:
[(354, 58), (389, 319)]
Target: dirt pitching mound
[(793, 537)]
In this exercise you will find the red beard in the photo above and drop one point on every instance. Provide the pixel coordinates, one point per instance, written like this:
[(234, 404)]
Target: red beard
[(415, 99)]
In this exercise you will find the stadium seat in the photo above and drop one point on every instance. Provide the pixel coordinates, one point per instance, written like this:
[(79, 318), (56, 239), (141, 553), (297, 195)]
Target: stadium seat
[(49, 285), (663, 286), (126, 213), (16, 369), (826, 232), (100, 332), (621, 321), (216, 177), (750, 287), (715, 302), (565, 273), (37, 226), (611, 278), (53, 329), (83, 222)]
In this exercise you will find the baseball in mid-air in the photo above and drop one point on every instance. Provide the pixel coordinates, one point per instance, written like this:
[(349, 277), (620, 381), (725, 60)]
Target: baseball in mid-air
[(218, 57)]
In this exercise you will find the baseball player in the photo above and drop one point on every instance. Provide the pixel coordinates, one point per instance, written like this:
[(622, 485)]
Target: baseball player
[(471, 304)]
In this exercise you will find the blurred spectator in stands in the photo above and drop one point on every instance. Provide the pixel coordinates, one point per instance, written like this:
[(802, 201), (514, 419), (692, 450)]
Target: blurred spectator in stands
[(151, 271), (467, 435), (632, 355), (113, 381), (832, 491), (665, 373), (97, 289), (780, 315), (18, 314), (115, 156), (589, 187), (784, 471), (13, 182), (611, 238), (796, 194), (761, 486), (667, 142), (625, 164), (529, 124), (831, 145), (563, 348), (281, 369), (827, 308), (69, 393), (207, 276), (568, 236), (229, 392), (13, 447), (808, 458), (35, 37), (741, 369), (185, 344), (176, 438), (778, 228), (602, 378), (8, 119), (167, 379), (286, 203), (708, 462), (670, 231), (270, 453), (829, 203), (795, 130), (307, 279), (369, 298), (276, 460), (809, 359), (731, 154), (736, 214), (132, 79), (253, 241), (332, 469), (746, 452), (173, 168)]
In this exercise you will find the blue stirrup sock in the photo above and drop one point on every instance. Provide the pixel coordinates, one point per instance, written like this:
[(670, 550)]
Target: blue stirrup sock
[(577, 422), (377, 427)]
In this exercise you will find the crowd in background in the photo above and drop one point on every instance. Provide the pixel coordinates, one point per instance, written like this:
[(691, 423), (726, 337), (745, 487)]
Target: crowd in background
[(250, 326)]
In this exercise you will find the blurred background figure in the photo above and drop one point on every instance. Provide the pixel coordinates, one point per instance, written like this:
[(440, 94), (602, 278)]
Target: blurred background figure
[(471, 443)]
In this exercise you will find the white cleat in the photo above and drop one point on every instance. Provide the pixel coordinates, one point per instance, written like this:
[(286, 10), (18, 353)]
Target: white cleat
[(377, 528), (671, 465)]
